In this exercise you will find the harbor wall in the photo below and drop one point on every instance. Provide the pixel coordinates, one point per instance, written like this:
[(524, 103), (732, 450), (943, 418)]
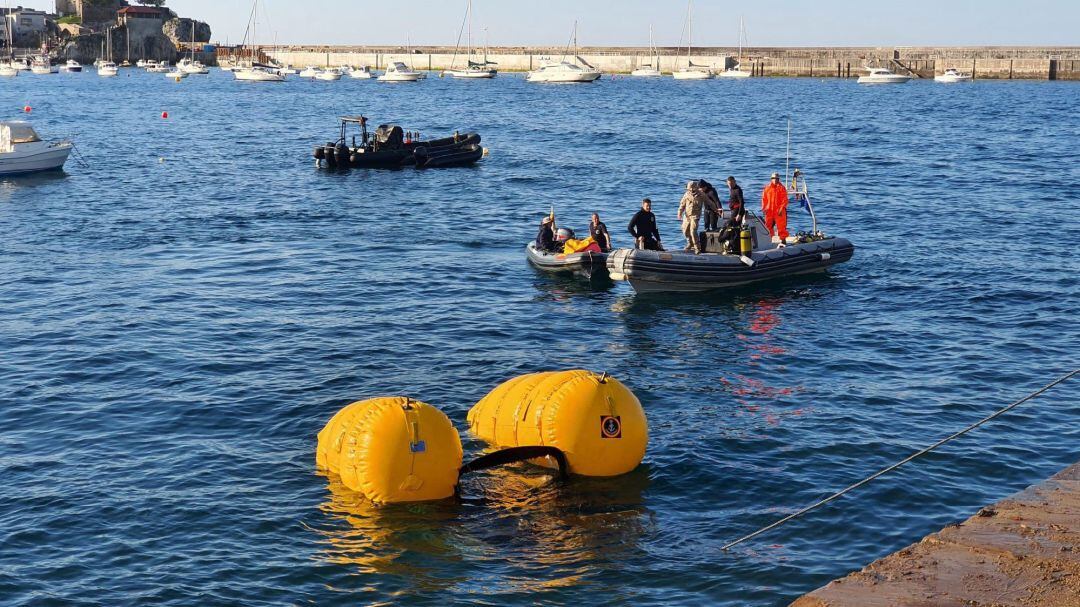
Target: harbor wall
[(1022, 551), (1032, 63)]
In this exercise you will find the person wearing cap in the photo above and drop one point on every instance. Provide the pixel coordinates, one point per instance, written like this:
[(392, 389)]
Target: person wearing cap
[(545, 239), (774, 201), (713, 209), (693, 201), (643, 228)]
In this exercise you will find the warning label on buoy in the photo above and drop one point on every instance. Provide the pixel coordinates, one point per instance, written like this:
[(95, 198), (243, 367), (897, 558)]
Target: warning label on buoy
[(610, 426)]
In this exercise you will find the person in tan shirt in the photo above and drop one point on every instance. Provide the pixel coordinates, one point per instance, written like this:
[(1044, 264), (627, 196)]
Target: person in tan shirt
[(693, 201)]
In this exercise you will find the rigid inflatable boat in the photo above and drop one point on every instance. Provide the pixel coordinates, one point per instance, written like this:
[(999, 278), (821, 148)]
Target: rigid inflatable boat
[(585, 263), (757, 258), (391, 147)]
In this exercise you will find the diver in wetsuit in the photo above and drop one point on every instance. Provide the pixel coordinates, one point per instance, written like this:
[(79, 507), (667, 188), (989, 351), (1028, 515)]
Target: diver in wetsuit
[(643, 228), (730, 230)]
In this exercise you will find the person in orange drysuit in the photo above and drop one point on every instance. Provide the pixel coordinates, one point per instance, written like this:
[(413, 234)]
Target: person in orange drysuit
[(774, 202)]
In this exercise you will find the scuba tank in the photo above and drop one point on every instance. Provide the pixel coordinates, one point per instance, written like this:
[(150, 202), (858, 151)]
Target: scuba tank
[(746, 241)]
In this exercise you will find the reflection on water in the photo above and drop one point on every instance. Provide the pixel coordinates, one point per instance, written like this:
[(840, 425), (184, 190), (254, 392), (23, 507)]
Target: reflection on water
[(560, 534)]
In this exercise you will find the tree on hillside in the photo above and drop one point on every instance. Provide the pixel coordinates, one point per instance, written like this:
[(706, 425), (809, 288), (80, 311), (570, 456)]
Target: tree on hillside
[(157, 3)]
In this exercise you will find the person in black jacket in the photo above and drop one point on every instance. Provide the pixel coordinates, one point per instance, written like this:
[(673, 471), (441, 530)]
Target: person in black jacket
[(545, 239), (713, 209), (737, 205), (599, 233), (643, 228)]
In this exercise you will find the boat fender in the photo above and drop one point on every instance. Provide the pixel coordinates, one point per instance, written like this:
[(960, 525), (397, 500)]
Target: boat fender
[(319, 152), (825, 256), (745, 259), (392, 449), (592, 418)]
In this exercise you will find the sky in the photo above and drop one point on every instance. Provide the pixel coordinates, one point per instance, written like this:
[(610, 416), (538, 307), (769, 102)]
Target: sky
[(626, 22)]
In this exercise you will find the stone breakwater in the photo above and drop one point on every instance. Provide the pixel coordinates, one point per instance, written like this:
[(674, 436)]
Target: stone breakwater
[(1029, 63)]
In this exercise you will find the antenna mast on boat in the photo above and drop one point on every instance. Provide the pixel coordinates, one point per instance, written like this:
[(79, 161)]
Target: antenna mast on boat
[(787, 154)]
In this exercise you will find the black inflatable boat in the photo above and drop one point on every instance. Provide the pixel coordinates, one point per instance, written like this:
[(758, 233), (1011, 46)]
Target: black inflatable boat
[(389, 146)]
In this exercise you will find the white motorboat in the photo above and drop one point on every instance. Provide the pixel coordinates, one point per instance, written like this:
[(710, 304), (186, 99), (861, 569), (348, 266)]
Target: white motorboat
[(563, 71), (399, 72), (651, 69), (736, 71), (472, 69), (140, 63), (22, 65), (158, 68), (7, 71), (42, 65), (258, 73), (107, 69), (22, 151), (310, 72), (880, 75), (190, 66), (361, 73), (953, 75), (72, 67), (288, 70), (330, 74), (176, 74), (692, 71)]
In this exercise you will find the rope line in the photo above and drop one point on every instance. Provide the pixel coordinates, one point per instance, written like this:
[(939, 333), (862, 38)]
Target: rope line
[(901, 462)]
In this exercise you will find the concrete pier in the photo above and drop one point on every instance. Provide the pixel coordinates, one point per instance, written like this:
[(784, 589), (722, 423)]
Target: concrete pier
[(1023, 551), (1033, 63)]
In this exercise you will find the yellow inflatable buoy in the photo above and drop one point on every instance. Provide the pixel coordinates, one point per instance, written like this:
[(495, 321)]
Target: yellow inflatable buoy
[(595, 420), (392, 449)]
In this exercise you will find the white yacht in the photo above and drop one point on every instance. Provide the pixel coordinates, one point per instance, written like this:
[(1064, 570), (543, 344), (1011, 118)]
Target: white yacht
[(107, 69), (472, 69), (158, 68), (190, 66), (651, 69), (42, 65), (22, 151), (7, 70), (330, 74), (399, 72), (310, 72), (71, 66), (691, 71), (288, 70), (953, 75), (563, 71), (880, 75), (736, 71), (361, 73), (176, 74), (258, 73)]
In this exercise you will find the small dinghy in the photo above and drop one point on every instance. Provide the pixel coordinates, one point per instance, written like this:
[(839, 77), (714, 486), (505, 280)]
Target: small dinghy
[(586, 263), (757, 258), (391, 147)]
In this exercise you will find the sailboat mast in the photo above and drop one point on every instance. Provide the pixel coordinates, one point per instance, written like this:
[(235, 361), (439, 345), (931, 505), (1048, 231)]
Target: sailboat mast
[(470, 30)]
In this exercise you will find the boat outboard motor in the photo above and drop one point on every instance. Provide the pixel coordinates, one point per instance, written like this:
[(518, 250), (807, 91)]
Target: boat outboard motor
[(564, 234), (331, 154), (319, 152), (342, 153)]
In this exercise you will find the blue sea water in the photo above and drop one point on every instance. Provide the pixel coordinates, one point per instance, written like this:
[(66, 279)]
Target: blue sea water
[(180, 316)]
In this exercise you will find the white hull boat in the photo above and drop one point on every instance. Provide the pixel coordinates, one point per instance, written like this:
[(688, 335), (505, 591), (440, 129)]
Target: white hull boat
[(399, 72), (289, 70), (880, 75), (329, 75), (362, 73), (734, 72), (646, 72), (43, 69), (310, 72), (158, 68), (693, 74), (6, 71), (953, 75), (192, 67), (72, 67), (107, 69), (474, 71), (176, 74), (691, 71), (23, 152), (563, 71), (258, 74)]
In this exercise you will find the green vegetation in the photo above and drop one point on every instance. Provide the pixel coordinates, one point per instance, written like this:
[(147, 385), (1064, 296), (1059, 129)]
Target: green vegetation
[(74, 19)]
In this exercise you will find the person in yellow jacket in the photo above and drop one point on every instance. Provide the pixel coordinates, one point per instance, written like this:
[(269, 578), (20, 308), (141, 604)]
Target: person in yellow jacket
[(693, 201), (774, 201)]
